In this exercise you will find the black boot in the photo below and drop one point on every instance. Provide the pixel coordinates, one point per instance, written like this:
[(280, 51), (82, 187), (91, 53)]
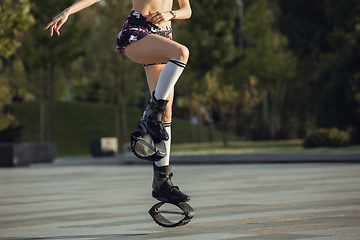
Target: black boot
[(163, 189), (152, 122)]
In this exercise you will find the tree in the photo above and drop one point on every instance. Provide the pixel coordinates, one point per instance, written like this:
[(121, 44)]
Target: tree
[(324, 35), (306, 25), (14, 20), (228, 102), (338, 83), (6, 119), (44, 57), (209, 36), (267, 59), (112, 78), (223, 100), (261, 54)]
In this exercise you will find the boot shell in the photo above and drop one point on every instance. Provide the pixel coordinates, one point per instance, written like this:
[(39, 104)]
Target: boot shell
[(151, 120), (163, 188)]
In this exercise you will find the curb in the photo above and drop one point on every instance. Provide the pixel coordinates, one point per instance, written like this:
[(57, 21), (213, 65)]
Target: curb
[(128, 158)]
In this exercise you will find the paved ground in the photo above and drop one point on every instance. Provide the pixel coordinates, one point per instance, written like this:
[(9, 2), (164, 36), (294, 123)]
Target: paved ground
[(106, 200)]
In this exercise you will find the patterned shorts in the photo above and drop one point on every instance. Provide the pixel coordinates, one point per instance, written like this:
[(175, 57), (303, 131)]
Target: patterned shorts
[(137, 27)]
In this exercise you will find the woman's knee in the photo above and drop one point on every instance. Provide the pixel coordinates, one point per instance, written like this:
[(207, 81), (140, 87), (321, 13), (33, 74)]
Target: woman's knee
[(182, 53)]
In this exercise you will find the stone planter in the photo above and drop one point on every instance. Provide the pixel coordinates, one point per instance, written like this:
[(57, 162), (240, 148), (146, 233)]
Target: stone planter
[(24, 154), (104, 147)]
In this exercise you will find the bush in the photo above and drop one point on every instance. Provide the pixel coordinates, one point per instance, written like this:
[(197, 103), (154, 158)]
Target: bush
[(11, 134), (327, 137), (10, 130)]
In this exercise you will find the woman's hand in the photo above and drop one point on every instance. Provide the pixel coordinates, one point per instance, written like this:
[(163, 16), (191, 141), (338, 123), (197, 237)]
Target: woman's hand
[(158, 17), (57, 22)]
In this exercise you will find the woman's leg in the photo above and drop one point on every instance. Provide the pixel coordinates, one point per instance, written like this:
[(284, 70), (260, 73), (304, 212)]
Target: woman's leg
[(152, 75), (163, 188), (154, 49)]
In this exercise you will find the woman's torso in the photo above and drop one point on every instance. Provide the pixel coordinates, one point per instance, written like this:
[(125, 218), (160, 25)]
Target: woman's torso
[(146, 6)]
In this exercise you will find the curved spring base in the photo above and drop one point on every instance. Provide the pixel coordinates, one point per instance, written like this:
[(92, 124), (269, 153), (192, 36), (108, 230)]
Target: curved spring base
[(144, 147), (186, 209)]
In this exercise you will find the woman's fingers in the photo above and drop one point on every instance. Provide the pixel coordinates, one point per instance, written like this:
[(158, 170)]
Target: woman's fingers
[(156, 17), (57, 27), (48, 25), (61, 22), (57, 23), (52, 25), (51, 31)]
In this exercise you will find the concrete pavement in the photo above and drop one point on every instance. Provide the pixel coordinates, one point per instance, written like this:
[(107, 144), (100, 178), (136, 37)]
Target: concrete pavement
[(84, 198)]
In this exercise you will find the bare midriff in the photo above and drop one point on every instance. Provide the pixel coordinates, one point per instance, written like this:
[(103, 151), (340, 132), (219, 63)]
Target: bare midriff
[(146, 6)]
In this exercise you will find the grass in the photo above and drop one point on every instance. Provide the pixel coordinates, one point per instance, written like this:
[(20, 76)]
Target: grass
[(76, 124), (79, 122), (248, 147)]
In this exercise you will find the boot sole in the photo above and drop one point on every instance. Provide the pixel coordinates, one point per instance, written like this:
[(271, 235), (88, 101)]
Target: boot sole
[(162, 199)]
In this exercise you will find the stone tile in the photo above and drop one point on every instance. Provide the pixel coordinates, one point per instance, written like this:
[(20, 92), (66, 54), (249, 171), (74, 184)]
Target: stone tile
[(83, 199)]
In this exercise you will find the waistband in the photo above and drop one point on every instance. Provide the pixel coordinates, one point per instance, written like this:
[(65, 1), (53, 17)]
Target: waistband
[(153, 27), (164, 28)]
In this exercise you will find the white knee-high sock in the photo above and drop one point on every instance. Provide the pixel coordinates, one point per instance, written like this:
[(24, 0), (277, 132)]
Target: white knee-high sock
[(166, 160), (168, 78)]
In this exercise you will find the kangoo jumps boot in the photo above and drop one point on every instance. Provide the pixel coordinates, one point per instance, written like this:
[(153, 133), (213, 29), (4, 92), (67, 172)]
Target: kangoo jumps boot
[(151, 121), (163, 188)]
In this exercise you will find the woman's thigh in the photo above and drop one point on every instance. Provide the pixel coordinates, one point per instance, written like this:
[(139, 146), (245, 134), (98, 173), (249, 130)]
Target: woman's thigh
[(154, 49)]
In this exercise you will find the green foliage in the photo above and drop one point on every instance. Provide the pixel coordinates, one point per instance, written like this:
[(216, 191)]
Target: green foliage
[(265, 56), (44, 56), (325, 36), (305, 24), (9, 125), (9, 129), (208, 34), (339, 76), (47, 59), (267, 59), (222, 99), (80, 122), (15, 18), (264, 59), (106, 76), (323, 137), (302, 54)]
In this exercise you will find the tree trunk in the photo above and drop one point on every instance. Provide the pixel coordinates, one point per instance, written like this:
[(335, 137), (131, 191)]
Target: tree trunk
[(191, 127), (200, 139), (223, 130), (124, 121), (42, 121), (224, 137), (116, 123), (211, 132), (266, 109), (277, 100), (52, 105), (44, 118)]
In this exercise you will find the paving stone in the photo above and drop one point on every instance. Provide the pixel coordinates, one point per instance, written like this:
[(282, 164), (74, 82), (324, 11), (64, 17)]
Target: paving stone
[(83, 198)]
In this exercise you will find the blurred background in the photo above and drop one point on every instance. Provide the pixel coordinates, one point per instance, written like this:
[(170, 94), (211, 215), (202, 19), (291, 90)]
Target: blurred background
[(258, 70)]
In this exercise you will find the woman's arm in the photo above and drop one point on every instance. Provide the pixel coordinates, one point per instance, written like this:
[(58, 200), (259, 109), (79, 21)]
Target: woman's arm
[(60, 19), (184, 12)]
